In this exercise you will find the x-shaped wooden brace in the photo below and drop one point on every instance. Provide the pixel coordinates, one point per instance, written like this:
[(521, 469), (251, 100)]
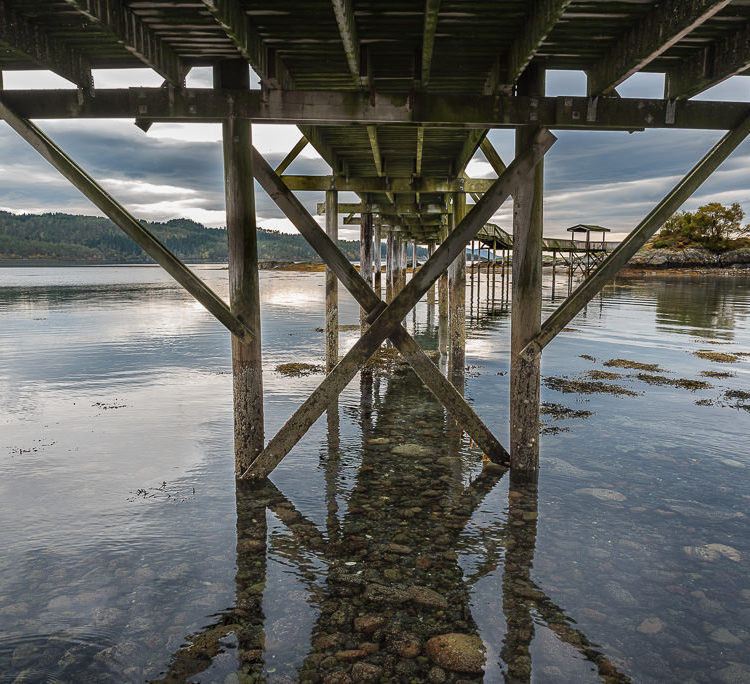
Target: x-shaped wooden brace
[(386, 320)]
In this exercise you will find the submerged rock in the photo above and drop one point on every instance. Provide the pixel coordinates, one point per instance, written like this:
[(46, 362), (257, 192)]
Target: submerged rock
[(457, 652), (723, 636), (651, 625), (602, 494)]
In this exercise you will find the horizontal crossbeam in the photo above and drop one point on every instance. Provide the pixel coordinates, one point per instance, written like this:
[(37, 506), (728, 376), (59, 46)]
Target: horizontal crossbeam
[(375, 184), (126, 222), (386, 320), (319, 108), (590, 287)]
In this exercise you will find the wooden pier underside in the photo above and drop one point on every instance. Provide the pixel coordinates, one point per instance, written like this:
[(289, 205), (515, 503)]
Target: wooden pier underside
[(396, 98)]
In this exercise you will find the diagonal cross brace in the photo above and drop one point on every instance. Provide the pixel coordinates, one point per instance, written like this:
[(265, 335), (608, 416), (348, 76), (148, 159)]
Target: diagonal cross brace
[(608, 268), (363, 293), (126, 222), (388, 318)]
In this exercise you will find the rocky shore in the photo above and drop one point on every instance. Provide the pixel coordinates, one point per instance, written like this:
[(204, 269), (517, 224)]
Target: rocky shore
[(691, 258)]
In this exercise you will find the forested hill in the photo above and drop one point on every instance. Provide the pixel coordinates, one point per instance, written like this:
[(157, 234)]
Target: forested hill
[(65, 237)]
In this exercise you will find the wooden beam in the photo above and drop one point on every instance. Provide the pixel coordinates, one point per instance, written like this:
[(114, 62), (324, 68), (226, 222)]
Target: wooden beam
[(309, 108), (709, 65), (121, 23), (431, 12), (666, 24), (300, 145), (542, 17), (491, 155), (397, 185), (127, 222), (593, 284), (372, 134), (344, 13), (49, 53), (236, 24), (386, 320), (420, 152)]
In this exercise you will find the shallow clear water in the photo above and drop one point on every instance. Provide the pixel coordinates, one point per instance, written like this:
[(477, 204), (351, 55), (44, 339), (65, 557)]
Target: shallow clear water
[(128, 555)]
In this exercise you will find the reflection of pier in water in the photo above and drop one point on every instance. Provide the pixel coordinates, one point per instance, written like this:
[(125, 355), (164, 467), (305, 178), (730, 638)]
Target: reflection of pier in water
[(392, 575)]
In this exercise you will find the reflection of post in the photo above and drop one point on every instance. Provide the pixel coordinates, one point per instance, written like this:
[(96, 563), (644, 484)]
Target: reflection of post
[(457, 302), (333, 462), (332, 285), (517, 585)]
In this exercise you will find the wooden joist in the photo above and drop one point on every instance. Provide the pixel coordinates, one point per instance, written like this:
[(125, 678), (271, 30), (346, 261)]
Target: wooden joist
[(115, 19), (344, 13), (665, 25), (44, 50), (710, 65), (431, 12), (230, 15), (507, 69)]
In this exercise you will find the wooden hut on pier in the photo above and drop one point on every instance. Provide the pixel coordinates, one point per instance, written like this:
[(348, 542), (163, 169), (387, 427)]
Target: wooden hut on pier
[(396, 98)]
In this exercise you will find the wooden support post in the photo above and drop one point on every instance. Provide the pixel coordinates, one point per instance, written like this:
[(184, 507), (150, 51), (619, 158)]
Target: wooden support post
[(554, 269), (378, 276), (244, 288), (403, 262), (431, 291), (414, 258), (390, 252), (332, 285), (457, 302), (471, 278), (365, 255), (526, 306), (488, 277), (494, 271), (442, 289), (386, 319), (630, 245)]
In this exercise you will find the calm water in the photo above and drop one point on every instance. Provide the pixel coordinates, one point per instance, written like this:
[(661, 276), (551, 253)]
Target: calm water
[(128, 555)]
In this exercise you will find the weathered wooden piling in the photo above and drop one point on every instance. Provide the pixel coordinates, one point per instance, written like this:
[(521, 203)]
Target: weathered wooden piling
[(332, 285), (457, 302), (431, 291), (378, 275), (526, 307), (244, 286), (390, 257), (365, 255)]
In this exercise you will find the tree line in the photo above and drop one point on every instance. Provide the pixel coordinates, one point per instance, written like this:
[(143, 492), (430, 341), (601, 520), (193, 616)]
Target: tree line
[(62, 237)]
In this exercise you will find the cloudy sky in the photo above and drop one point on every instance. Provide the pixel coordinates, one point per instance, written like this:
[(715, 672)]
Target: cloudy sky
[(175, 170)]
